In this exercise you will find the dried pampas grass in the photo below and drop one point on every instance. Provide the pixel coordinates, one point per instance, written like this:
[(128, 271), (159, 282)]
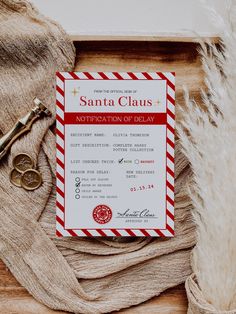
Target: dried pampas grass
[(208, 137)]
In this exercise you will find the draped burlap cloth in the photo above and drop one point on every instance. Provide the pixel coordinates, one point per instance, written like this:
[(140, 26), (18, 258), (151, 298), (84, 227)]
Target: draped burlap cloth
[(79, 275)]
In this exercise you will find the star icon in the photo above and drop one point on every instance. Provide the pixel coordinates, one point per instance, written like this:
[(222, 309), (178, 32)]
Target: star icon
[(75, 91), (157, 102)]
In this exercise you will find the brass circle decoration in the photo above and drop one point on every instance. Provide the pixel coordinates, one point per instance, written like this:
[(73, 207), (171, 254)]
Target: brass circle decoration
[(15, 177), (31, 179), (23, 162)]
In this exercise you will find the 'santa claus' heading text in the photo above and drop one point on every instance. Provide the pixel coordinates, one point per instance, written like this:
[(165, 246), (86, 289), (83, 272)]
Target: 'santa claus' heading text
[(122, 101)]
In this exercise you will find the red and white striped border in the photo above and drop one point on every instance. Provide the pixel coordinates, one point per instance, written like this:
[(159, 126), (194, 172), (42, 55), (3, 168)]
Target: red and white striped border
[(170, 145)]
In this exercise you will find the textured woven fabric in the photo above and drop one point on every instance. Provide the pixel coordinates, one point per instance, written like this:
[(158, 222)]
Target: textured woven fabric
[(78, 275)]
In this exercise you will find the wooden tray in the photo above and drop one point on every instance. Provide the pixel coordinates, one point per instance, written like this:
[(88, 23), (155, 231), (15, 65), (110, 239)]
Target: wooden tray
[(181, 57)]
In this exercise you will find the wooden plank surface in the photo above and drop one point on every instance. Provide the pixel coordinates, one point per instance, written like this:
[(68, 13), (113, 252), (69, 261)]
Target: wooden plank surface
[(14, 299), (161, 37), (122, 56)]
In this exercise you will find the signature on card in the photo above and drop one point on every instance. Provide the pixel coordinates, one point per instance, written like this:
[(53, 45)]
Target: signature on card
[(143, 213)]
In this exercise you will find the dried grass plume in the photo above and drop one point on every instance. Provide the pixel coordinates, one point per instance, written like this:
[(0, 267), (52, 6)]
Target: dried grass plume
[(209, 141)]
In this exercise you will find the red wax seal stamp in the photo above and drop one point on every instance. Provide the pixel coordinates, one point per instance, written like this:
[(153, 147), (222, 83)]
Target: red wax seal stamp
[(102, 214)]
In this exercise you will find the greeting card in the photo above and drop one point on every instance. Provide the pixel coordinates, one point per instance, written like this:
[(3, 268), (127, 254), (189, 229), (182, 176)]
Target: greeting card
[(115, 154)]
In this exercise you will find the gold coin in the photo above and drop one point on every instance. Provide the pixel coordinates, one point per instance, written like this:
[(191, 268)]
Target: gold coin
[(22, 162), (15, 177), (31, 179)]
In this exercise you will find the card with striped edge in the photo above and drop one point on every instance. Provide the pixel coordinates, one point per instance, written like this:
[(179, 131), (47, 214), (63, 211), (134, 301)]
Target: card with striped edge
[(115, 154)]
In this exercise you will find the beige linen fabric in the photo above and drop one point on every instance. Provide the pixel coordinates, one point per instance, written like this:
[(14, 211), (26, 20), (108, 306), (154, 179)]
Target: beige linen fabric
[(77, 274)]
